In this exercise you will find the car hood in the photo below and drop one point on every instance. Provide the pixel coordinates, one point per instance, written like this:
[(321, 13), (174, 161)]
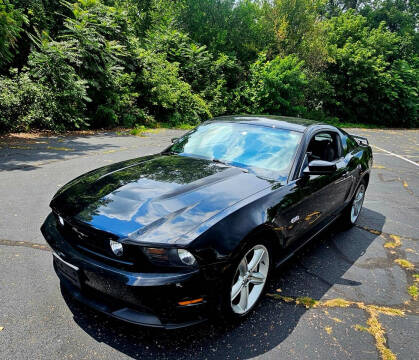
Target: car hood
[(154, 199)]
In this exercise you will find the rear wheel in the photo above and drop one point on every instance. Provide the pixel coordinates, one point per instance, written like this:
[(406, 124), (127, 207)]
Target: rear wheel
[(351, 213)]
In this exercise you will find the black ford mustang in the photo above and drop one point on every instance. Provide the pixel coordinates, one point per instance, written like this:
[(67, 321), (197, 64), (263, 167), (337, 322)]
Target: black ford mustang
[(165, 240)]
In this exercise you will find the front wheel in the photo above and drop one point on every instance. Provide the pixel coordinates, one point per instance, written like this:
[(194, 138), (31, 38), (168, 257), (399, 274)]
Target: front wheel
[(247, 281)]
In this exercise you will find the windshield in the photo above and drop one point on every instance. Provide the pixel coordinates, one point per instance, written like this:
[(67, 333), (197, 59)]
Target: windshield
[(263, 150)]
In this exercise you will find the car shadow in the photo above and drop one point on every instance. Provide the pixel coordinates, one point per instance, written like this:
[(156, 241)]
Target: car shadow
[(315, 272), (27, 154)]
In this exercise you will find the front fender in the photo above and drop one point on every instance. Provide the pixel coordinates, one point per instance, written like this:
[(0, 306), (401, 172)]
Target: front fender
[(226, 234)]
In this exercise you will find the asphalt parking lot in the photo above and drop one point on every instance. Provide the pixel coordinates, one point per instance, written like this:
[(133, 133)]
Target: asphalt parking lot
[(344, 297)]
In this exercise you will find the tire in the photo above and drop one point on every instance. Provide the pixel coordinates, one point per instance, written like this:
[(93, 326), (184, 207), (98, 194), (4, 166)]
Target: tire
[(351, 213), (244, 287)]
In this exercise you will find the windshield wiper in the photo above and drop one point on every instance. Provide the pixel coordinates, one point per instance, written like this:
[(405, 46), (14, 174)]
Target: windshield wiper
[(169, 153), (218, 161)]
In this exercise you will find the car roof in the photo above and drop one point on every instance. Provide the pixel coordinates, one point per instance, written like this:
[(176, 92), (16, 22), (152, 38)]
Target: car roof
[(282, 122)]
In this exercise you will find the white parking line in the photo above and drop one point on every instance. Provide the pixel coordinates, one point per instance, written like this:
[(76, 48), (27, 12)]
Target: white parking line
[(398, 156)]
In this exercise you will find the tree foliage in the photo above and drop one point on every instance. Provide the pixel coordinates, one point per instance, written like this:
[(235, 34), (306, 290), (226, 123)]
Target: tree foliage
[(66, 64), (276, 86), (11, 27), (371, 83)]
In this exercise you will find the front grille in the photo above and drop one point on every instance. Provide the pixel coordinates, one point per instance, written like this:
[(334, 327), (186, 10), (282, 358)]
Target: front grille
[(94, 243)]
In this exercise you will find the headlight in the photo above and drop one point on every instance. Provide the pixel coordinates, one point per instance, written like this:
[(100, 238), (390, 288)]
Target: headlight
[(186, 257), (170, 257)]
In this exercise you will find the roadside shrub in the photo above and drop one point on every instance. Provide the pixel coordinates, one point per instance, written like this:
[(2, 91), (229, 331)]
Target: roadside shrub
[(107, 63), (53, 66), (371, 84), (27, 102), (100, 35), (203, 71), (49, 94), (276, 86), (18, 102), (164, 93)]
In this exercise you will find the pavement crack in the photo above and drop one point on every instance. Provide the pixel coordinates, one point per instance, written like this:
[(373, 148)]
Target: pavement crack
[(375, 328), (4, 242), (379, 232)]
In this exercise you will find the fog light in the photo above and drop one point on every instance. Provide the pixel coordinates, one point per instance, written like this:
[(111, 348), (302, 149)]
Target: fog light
[(186, 257), (116, 247)]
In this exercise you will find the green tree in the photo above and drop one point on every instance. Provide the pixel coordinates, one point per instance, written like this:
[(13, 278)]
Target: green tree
[(11, 26), (164, 93), (295, 27), (233, 27), (53, 65), (370, 85), (399, 16), (100, 33)]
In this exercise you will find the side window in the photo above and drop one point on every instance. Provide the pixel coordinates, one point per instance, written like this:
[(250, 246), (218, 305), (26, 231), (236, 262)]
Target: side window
[(323, 137), (347, 141), (324, 146)]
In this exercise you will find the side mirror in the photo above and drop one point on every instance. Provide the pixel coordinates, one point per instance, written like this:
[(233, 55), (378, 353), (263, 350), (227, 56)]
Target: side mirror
[(174, 140), (320, 167)]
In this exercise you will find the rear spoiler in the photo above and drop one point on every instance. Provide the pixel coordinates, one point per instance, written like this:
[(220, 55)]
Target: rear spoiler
[(360, 140)]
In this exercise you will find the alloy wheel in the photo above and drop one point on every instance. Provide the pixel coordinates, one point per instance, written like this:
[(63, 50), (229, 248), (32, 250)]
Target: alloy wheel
[(357, 203), (249, 279)]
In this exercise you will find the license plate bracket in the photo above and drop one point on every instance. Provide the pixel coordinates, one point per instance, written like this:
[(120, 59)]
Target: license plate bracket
[(69, 271)]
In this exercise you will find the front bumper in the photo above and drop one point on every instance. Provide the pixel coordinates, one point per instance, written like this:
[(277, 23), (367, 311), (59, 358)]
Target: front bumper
[(149, 299)]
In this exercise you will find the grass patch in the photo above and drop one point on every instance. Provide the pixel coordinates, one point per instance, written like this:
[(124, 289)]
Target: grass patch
[(184, 127), (372, 231), (308, 302), (287, 299), (393, 244), (386, 310), (341, 124), (374, 326), (413, 291), (361, 328), (59, 148), (377, 331), (141, 130), (406, 264), (416, 277), (338, 302)]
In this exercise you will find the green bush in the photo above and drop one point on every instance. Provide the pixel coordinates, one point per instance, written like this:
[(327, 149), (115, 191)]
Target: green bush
[(18, 101), (370, 84), (164, 93), (27, 102), (103, 63), (53, 66), (275, 87), (100, 33)]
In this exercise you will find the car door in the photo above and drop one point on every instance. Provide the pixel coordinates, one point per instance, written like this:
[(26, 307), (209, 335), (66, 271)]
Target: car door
[(313, 200)]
